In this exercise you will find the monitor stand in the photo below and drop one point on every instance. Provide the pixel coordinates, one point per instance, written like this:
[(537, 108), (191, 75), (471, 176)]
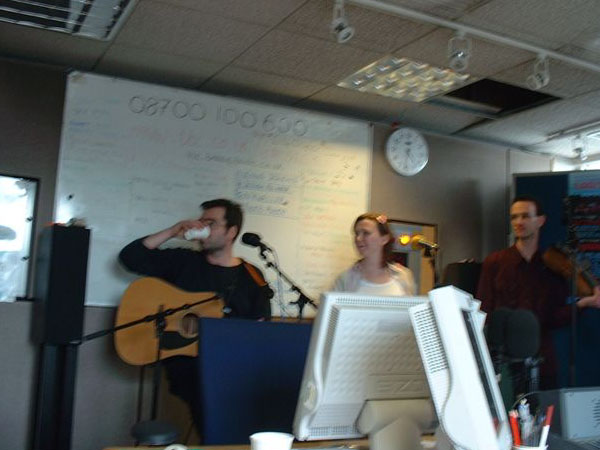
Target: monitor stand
[(399, 424)]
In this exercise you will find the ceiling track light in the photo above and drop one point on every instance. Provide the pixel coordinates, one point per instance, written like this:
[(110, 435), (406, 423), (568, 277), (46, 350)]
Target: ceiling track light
[(588, 128), (340, 26), (459, 52), (389, 8), (541, 73), (580, 148)]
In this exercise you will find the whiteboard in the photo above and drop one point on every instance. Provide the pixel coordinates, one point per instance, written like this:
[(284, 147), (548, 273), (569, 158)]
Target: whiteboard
[(136, 158)]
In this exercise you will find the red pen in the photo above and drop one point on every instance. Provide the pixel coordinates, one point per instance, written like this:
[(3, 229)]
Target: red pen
[(514, 426), (546, 428)]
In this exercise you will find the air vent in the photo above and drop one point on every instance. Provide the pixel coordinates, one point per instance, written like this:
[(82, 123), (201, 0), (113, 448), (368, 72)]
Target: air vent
[(96, 19), (431, 345), (596, 412), (327, 432)]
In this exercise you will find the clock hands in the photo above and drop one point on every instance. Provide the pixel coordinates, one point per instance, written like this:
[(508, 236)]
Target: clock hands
[(406, 151)]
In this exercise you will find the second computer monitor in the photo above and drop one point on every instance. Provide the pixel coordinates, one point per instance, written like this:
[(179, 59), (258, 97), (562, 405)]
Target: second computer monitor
[(387, 366)]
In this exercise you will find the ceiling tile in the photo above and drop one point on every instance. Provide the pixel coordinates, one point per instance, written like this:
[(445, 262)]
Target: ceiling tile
[(156, 67), (591, 99), (534, 125), (263, 12), (186, 32), (50, 46), (562, 147), (374, 30), (305, 58), (435, 118), (260, 86), (587, 48), (509, 133), (547, 23), (566, 147), (589, 51), (487, 58), (566, 81), (342, 101), (447, 9)]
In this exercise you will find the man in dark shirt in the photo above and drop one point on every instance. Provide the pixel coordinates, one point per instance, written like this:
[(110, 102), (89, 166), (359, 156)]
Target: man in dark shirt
[(517, 277), (215, 269)]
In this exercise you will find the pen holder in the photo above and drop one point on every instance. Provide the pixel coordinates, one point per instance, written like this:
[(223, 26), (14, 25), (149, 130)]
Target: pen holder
[(526, 447)]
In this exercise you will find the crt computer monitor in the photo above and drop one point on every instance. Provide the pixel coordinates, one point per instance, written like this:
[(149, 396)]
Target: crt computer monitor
[(396, 367)]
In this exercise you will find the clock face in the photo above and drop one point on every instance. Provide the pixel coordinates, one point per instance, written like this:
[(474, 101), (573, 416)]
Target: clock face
[(406, 151)]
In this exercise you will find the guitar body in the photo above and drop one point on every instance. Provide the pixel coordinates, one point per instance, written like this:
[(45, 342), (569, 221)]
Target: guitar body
[(138, 344)]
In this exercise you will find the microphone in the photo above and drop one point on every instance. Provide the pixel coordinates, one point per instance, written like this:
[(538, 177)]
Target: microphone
[(419, 242), (496, 328), (522, 335), (254, 240), (495, 333)]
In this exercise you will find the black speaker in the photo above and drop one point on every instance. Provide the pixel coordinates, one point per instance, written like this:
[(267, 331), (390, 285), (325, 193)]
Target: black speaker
[(463, 275), (59, 288)]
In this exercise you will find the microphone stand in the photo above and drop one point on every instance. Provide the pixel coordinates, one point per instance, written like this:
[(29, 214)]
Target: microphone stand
[(151, 432), (302, 298), (530, 380), (431, 253)]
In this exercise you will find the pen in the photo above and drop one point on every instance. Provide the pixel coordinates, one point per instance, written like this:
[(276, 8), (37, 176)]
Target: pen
[(546, 427), (540, 419), (514, 426), (526, 422)]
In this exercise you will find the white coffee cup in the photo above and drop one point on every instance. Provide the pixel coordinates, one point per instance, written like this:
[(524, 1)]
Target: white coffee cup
[(271, 440), (176, 447), (197, 233)]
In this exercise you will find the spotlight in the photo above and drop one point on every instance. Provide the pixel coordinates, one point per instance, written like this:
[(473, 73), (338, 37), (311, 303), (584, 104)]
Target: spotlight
[(580, 154), (404, 239), (459, 52), (541, 74), (579, 148), (340, 25)]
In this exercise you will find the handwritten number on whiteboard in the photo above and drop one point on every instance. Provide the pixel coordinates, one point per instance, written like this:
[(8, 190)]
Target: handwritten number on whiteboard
[(163, 106)]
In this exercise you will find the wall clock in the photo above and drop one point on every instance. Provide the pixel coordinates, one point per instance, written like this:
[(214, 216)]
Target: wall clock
[(406, 151)]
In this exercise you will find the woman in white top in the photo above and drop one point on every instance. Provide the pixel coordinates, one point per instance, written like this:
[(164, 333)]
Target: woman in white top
[(374, 273)]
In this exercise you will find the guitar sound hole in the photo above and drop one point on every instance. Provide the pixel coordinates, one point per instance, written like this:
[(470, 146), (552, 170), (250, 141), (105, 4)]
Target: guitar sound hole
[(189, 325)]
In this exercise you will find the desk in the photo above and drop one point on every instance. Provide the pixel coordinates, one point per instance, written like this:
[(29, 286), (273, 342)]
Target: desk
[(359, 444)]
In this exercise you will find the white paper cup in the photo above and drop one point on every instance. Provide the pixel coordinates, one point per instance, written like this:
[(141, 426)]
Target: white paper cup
[(176, 447), (271, 440), (197, 233)]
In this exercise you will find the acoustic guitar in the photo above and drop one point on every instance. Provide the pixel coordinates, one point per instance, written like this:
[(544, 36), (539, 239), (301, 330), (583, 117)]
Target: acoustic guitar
[(138, 345)]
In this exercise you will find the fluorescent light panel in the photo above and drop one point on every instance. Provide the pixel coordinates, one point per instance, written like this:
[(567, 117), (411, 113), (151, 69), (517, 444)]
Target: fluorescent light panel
[(404, 79), (96, 19)]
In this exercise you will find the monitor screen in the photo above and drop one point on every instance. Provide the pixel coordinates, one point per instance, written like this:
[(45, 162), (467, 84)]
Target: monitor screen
[(481, 369)]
